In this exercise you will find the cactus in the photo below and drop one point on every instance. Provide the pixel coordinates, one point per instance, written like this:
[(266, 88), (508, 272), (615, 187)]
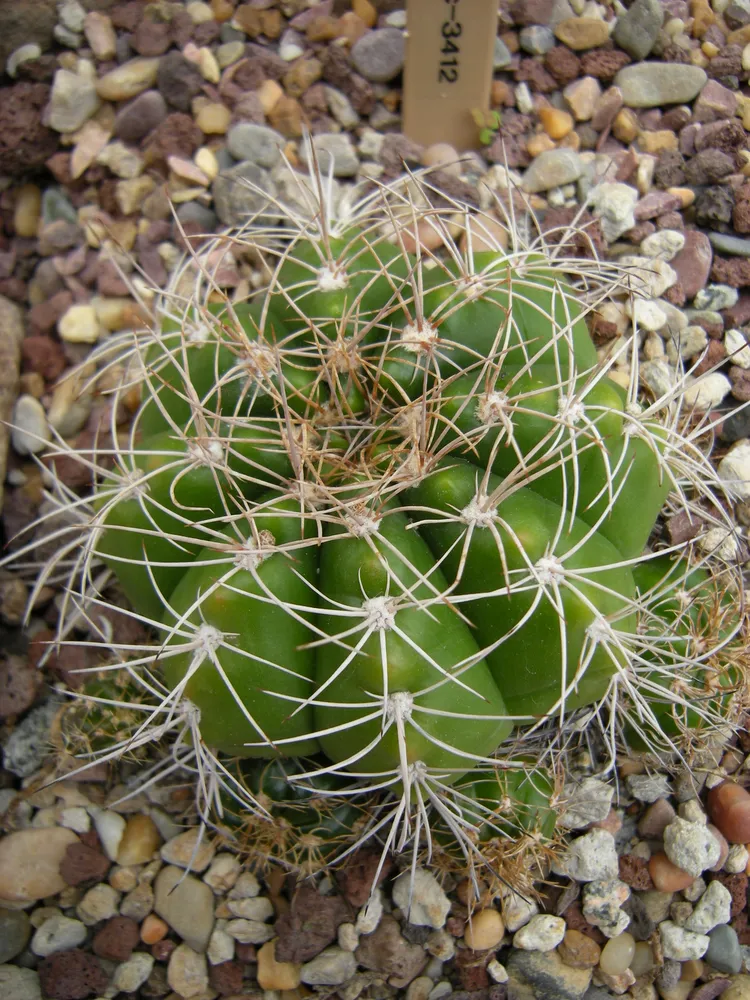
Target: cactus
[(387, 516)]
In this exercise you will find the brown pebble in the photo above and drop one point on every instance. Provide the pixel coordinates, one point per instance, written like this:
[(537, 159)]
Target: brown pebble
[(666, 876), (729, 808), (83, 865), (578, 950), (72, 975)]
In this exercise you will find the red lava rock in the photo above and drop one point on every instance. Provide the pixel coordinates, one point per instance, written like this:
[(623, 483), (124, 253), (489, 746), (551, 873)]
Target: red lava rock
[(693, 262), (576, 921), (740, 379), (163, 949), (151, 38), (634, 872), (714, 355), (604, 64), (226, 978), (676, 295), (177, 135), (83, 865), (355, 879), (127, 16), (563, 64), (310, 924), (472, 968), (19, 684), (25, 143), (117, 939), (670, 220), (43, 355), (72, 975), (178, 80), (729, 808), (532, 72)]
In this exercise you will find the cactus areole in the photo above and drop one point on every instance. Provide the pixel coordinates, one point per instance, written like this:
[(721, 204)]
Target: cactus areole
[(389, 509)]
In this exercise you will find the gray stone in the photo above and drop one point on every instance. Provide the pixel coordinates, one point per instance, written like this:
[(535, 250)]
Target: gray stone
[(592, 856), (334, 148), (637, 29), (73, 101), (542, 975), (691, 846), (379, 55), (537, 39), (242, 193), (681, 944), (19, 984), (140, 116), (187, 972), (256, 144), (649, 787), (723, 952), (552, 168), (716, 297), (29, 745), (58, 933), (186, 904), (332, 967), (15, 930), (614, 204), (585, 803), (341, 108), (133, 973), (713, 908), (57, 207), (501, 57), (651, 84), (734, 245), (193, 211)]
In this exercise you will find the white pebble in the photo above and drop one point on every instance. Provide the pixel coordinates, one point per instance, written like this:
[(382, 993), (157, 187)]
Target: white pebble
[(30, 431), (691, 846), (542, 933), (713, 908), (707, 392), (680, 944), (737, 348)]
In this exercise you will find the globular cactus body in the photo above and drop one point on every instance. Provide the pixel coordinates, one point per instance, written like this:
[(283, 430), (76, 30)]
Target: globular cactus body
[(391, 507)]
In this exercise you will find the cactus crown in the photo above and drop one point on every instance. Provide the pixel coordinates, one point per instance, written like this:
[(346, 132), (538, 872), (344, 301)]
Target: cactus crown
[(386, 514)]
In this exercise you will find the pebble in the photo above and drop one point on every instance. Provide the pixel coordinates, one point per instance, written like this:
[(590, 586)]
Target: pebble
[(79, 325), (681, 944), (652, 84), (186, 904), (582, 97), (130, 194), (24, 53), (250, 931), (100, 34), (581, 33), (484, 931), (137, 118), (223, 873), (665, 244), (20, 984), (542, 933), (705, 394), (246, 886), (30, 431), (240, 192), (214, 118), (73, 101), (602, 902), (274, 975), (131, 974), (422, 898), (724, 953), (614, 203), (187, 972), (544, 976), (713, 908), (335, 152), (557, 124), (221, 947), (734, 469), (592, 856), (58, 933), (737, 860), (536, 39), (332, 967), (192, 850), (638, 28), (716, 297), (27, 211), (99, 903), (737, 348), (647, 314), (252, 908), (379, 55), (15, 930), (690, 846), (128, 80), (255, 143), (121, 160), (552, 168), (578, 950), (137, 842), (726, 243), (617, 954)]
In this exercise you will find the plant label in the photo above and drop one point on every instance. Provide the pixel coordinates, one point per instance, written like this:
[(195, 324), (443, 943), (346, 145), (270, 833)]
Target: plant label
[(448, 70)]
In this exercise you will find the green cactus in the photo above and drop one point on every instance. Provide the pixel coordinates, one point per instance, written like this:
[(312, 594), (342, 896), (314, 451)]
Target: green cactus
[(390, 509)]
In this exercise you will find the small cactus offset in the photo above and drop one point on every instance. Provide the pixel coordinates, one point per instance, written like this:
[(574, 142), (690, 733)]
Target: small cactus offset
[(386, 515)]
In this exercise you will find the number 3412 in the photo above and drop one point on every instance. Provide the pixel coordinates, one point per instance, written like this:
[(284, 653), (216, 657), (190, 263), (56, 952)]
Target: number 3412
[(448, 67)]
